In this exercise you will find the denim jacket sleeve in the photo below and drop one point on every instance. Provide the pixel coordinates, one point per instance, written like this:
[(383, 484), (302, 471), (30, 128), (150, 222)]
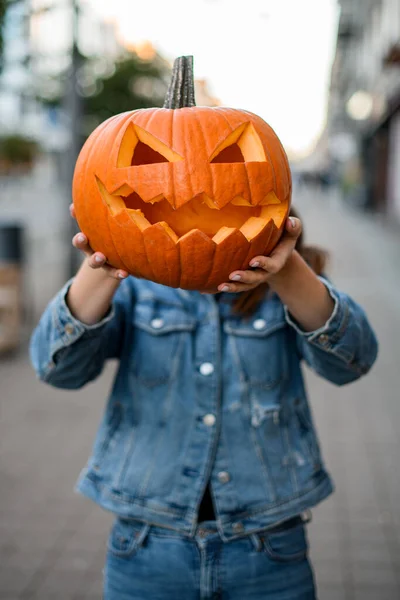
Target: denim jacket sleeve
[(345, 347), (67, 353)]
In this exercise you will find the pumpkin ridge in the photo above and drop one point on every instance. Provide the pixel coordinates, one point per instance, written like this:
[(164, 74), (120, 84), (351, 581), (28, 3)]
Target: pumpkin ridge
[(114, 244), (167, 260), (271, 135), (200, 128), (122, 117), (157, 223), (232, 130), (273, 170), (125, 268), (240, 246), (85, 208), (94, 136), (171, 172), (186, 250)]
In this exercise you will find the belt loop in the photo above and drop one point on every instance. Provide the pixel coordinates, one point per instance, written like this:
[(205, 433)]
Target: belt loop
[(142, 535), (256, 541)]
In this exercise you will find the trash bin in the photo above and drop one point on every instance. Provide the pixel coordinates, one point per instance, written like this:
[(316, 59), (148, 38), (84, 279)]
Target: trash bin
[(11, 259)]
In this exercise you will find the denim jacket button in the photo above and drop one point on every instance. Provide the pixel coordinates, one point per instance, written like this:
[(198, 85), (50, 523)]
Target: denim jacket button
[(259, 324), (157, 323), (69, 328), (209, 420), (323, 338), (238, 527), (206, 369), (223, 477)]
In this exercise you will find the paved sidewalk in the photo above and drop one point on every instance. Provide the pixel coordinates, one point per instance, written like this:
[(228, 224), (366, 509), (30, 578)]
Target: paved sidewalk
[(52, 541)]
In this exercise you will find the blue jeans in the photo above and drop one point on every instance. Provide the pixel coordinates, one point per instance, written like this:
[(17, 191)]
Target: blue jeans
[(152, 563)]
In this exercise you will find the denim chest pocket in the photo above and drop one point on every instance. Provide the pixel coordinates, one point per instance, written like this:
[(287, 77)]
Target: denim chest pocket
[(160, 337), (259, 349)]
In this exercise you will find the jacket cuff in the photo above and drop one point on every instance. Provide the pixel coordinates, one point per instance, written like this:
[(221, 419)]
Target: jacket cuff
[(70, 328), (327, 336)]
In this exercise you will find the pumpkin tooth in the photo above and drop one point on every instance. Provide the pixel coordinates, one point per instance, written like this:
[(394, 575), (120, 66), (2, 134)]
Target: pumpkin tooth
[(277, 213), (209, 201), (252, 227), (222, 234), (169, 231), (124, 190), (137, 262), (240, 201), (261, 243), (157, 199), (270, 198), (114, 203), (138, 218), (196, 252), (231, 249), (160, 243)]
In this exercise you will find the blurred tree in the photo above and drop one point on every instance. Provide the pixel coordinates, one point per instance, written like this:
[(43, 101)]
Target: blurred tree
[(106, 90), (133, 84)]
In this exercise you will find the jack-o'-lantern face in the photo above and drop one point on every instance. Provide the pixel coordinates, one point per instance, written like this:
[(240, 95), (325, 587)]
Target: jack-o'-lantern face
[(182, 196)]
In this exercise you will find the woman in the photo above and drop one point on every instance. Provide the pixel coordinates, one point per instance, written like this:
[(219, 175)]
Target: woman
[(207, 453)]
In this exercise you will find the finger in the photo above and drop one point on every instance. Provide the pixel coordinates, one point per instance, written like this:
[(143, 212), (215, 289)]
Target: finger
[(81, 242), (97, 260), (116, 273), (72, 211), (293, 227), (236, 288), (276, 260), (249, 277)]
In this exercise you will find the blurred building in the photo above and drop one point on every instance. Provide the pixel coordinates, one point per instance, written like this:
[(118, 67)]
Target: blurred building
[(14, 78), (37, 63), (38, 43), (364, 110)]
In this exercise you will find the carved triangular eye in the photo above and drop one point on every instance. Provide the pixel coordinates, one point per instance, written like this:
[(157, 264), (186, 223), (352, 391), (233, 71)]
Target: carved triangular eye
[(139, 147), (231, 154), (144, 155), (242, 145)]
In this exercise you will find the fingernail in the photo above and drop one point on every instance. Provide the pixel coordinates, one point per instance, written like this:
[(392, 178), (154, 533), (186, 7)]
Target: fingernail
[(98, 259), (292, 222), (254, 264), (121, 276), (225, 289), (81, 239), (235, 278)]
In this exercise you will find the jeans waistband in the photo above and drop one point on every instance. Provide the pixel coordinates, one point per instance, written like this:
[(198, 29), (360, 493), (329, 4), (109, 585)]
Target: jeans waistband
[(209, 529)]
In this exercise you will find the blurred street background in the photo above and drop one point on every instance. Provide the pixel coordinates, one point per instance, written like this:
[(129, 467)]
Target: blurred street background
[(326, 75)]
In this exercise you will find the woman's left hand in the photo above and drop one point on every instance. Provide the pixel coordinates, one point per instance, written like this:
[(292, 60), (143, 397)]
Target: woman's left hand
[(265, 267)]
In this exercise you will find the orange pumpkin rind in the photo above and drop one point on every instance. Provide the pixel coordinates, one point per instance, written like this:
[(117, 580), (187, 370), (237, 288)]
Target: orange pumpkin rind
[(215, 190)]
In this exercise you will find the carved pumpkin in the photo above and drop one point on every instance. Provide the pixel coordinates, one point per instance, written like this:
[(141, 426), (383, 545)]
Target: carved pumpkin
[(182, 195)]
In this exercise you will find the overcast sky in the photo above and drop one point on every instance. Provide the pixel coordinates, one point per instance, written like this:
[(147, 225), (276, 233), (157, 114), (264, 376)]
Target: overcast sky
[(270, 57)]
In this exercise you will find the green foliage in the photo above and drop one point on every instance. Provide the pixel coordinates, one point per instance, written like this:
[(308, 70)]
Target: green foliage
[(17, 149), (134, 84), (127, 85)]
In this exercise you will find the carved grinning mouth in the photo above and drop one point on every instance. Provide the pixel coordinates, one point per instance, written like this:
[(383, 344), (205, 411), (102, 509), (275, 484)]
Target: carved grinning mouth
[(213, 222)]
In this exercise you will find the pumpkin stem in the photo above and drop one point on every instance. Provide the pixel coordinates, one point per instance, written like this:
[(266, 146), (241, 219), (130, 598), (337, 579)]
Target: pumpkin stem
[(180, 92)]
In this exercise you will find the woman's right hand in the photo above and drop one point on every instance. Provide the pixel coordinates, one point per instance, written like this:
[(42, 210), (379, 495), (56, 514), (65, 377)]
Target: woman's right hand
[(95, 260)]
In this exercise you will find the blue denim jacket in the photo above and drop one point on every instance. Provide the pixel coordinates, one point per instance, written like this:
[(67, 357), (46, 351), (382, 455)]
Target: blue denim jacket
[(203, 395)]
